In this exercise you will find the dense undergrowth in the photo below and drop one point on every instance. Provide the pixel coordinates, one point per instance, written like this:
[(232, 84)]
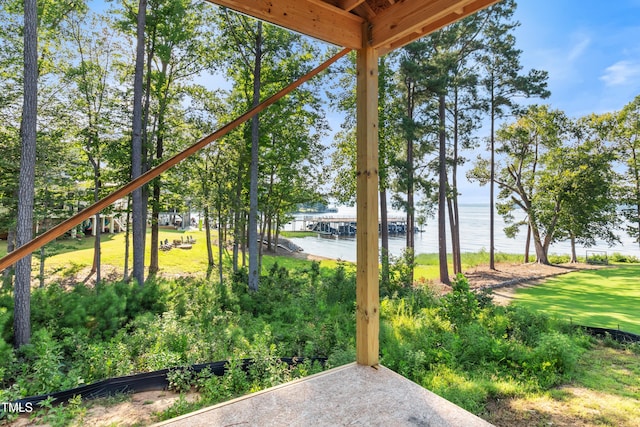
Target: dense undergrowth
[(461, 346)]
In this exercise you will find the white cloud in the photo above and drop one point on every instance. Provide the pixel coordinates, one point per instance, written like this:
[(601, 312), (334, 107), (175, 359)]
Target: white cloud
[(621, 73), (579, 48)]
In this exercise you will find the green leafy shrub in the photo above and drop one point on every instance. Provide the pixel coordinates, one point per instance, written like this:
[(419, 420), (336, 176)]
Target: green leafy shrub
[(554, 358), (400, 274), (526, 325), (44, 367), (181, 379), (340, 288), (60, 415), (618, 257), (559, 259), (460, 306)]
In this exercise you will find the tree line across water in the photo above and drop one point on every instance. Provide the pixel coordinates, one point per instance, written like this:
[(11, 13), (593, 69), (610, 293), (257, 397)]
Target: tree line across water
[(92, 99)]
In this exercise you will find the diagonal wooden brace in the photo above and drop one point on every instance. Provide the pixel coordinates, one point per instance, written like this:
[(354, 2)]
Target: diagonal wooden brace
[(87, 213)]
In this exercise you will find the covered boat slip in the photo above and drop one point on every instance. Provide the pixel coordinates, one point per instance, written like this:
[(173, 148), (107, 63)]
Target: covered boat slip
[(349, 395)]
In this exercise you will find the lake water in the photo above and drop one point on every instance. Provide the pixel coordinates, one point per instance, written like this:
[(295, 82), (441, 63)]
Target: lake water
[(474, 236)]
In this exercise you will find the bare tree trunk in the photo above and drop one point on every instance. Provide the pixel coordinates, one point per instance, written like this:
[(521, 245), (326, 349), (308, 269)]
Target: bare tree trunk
[(237, 232), (442, 196), (492, 261), (221, 239), (541, 249), (7, 274), (243, 240), (207, 233), (277, 236), (574, 257), (410, 183), (41, 275), (26, 190), (96, 248), (254, 274), (154, 259), (527, 244), (453, 226), (139, 210), (98, 222), (454, 217), (126, 241), (384, 234)]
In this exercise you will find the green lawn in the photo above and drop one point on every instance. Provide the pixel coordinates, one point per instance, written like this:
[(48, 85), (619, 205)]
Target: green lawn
[(606, 298), (71, 255)]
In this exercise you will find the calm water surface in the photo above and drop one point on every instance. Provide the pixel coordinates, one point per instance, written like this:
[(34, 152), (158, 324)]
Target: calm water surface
[(474, 236)]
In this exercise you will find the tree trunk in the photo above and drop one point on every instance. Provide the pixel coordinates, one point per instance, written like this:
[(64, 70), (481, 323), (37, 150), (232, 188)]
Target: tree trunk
[(454, 217), (237, 232), (527, 244), (96, 248), (384, 234), (41, 275), (277, 235), (98, 222), (221, 238), (455, 250), (541, 251), (410, 236), (26, 191), (574, 257), (126, 241), (492, 176), (442, 195), (254, 274), (139, 210), (207, 233), (7, 274), (154, 264)]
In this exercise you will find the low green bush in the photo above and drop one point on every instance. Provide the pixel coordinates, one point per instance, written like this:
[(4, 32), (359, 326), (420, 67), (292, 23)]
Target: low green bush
[(460, 345), (618, 257)]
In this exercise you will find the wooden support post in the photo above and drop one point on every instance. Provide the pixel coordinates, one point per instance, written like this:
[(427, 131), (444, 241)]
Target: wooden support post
[(367, 292)]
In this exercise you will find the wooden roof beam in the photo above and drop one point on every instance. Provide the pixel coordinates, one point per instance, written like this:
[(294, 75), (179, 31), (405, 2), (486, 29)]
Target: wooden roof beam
[(347, 5), (407, 21), (315, 18)]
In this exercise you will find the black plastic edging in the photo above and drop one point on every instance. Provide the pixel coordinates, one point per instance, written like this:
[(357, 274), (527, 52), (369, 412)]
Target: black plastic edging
[(616, 334), (147, 381)]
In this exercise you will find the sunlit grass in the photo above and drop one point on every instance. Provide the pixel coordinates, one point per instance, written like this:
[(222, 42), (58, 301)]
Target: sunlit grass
[(469, 259), (611, 371), (284, 233), (604, 390), (194, 261), (72, 255), (606, 298)]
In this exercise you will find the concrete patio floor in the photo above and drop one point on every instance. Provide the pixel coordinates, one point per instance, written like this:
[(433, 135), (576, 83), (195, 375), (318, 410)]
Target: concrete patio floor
[(350, 395)]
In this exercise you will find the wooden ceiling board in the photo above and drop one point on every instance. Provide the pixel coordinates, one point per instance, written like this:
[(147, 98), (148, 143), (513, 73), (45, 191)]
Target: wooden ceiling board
[(434, 25), (314, 18), (392, 23)]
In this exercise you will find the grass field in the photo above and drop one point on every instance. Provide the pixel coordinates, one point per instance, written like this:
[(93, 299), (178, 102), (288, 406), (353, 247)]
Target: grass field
[(606, 298), (71, 255)]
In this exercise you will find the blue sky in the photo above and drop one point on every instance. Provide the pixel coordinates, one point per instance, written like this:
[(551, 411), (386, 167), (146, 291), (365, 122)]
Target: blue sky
[(590, 48)]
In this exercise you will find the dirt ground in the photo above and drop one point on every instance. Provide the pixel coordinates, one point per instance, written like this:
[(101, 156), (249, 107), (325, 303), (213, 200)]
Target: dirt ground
[(506, 278), (138, 409)]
